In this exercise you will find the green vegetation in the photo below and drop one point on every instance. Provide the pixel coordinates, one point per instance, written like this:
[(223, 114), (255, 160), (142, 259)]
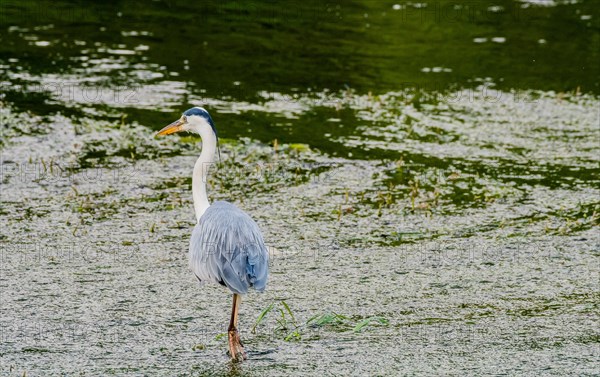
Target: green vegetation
[(290, 330), (425, 174)]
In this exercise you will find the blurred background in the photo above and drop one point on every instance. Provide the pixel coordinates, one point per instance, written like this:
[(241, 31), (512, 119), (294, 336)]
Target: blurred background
[(432, 166)]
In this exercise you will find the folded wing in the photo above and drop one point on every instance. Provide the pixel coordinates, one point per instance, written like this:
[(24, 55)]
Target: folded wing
[(227, 247)]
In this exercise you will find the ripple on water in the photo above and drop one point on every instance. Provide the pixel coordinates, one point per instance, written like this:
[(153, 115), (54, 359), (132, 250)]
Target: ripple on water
[(451, 242)]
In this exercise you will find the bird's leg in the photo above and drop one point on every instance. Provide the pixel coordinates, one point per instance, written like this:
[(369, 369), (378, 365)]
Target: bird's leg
[(236, 351)]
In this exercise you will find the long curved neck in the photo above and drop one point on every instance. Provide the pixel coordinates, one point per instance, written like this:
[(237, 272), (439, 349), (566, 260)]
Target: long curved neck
[(209, 146)]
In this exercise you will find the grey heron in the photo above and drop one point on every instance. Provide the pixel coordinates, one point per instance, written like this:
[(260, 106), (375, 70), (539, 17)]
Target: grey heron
[(226, 246)]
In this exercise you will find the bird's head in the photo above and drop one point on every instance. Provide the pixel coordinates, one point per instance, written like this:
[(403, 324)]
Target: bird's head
[(196, 120)]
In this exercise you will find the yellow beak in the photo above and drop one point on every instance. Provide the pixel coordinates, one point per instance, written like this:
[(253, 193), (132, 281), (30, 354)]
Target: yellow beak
[(171, 128)]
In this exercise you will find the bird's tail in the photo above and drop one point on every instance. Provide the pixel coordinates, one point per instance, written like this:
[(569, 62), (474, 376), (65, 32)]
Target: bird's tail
[(257, 266)]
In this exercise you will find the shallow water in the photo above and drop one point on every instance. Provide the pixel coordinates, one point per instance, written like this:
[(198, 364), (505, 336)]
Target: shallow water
[(428, 194)]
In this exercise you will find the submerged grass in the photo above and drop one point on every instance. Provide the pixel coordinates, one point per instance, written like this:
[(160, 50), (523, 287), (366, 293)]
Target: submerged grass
[(428, 186), (431, 189), (288, 329), (14, 124), (440, 207), (286, 322)]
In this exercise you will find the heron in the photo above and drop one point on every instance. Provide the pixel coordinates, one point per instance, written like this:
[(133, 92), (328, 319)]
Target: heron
[(226, 246)]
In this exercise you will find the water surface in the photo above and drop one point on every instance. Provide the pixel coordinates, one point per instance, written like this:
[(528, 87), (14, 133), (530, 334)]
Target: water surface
[(425, 174)]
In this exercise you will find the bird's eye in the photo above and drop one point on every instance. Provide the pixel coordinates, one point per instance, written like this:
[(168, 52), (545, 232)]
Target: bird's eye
[(184, 118)]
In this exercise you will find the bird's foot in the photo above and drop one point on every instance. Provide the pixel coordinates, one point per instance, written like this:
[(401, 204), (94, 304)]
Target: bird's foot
[(236, 350)]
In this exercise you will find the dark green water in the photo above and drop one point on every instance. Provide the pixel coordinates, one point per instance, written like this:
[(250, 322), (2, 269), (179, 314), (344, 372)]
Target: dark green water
[(103, 53), (426, 175)]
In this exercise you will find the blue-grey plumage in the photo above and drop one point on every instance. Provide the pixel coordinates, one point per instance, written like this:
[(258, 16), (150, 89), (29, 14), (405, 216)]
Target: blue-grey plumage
[(227, 247)]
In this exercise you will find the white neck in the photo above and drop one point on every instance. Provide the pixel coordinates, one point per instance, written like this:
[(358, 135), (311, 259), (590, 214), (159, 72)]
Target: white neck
[(209, 146)]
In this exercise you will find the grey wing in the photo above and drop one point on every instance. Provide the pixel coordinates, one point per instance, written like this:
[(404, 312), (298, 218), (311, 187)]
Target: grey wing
[(227, 248)]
